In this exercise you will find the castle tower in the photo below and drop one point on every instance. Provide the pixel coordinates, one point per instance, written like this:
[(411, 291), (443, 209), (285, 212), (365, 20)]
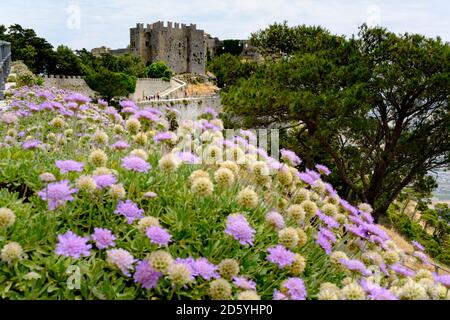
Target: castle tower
[(181, 47)]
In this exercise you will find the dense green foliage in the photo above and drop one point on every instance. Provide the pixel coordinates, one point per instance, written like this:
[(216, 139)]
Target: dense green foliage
[(233, 47), (111, 84), (433, 233), (229, 68), (34, 51), (159, 69), (374, 108)]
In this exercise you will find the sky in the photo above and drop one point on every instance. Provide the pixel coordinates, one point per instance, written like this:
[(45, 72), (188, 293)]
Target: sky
[(88, 24)]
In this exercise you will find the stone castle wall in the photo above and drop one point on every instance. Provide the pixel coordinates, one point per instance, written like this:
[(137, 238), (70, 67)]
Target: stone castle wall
[(5, 64), (182, 47), (187, 108), (146, 87), (73, 83)]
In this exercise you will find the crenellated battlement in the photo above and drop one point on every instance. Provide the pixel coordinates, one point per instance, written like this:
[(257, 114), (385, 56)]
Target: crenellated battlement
[(59, 76), (181, 46)]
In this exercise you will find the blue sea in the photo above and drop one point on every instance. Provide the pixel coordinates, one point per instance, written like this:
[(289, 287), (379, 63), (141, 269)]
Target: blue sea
[(442, 193)]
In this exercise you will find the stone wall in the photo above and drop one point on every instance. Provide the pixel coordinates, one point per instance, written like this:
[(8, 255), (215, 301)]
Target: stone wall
[(148, 86), (5, 64), (73, 83), (181, 47), (189, 108)]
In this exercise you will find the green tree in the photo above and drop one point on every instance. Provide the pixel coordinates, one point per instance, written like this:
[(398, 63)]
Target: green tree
[(159, 70), (111, 84), (233, 47), (279, 40), (67, 62), (229, 68), (36, 52), (374, 108)]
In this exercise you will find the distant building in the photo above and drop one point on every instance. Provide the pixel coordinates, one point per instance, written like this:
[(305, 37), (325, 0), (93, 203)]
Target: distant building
[(98, 52), (182, 47), (118, 52)]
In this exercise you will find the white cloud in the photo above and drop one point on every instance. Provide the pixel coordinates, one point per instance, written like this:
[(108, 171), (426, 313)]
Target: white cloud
[(107, 22)]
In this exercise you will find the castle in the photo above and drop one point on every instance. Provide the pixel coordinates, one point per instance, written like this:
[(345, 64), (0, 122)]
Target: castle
[(182, 47)]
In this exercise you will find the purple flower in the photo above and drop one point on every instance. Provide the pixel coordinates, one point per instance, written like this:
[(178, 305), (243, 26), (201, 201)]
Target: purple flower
[(146, 276), (313, 174), (327, 233), (135, 164), (348, 207), (277, 295), (211, 112), (295, 289), (323, 169), (102, 102), (31, 144), (329, 221), (275, 165), (71, 245), (329, 188), (239, 228), (276, 219), (444, 279), (104, 180), (103, 238), (382, 294), (189, 263), (120, 259), (120, 145), (421, 256), (376, 292), (146, 115), (129, 210), (66, 166), (205, 269), (355, 266), (188, 157), (128, 104), (375, 230), (418, 245), (57, 194), (291, 157), (280, 256), (306, 178), (358, 231), (77, 98), (376, 239), (356, 220), (158, 235), (163, 136), (324, 242), (401, 270), (244, 283)]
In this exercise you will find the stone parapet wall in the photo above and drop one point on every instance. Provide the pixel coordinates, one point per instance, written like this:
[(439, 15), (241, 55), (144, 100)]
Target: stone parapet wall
[(189, 108), (73, 83), (5, 65), (146, 87)]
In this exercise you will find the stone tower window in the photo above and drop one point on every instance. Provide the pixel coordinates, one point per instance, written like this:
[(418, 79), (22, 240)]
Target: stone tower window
[(147, 43)]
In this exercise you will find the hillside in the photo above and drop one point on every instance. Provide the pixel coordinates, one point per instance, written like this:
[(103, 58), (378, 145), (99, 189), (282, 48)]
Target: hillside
[(97, 204)]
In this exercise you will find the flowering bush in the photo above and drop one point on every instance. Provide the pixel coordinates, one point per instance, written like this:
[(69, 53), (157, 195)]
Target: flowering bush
[(117, 197)]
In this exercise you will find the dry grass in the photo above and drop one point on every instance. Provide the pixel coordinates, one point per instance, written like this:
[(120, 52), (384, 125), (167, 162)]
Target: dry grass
[(406, 246), (200, 89)]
